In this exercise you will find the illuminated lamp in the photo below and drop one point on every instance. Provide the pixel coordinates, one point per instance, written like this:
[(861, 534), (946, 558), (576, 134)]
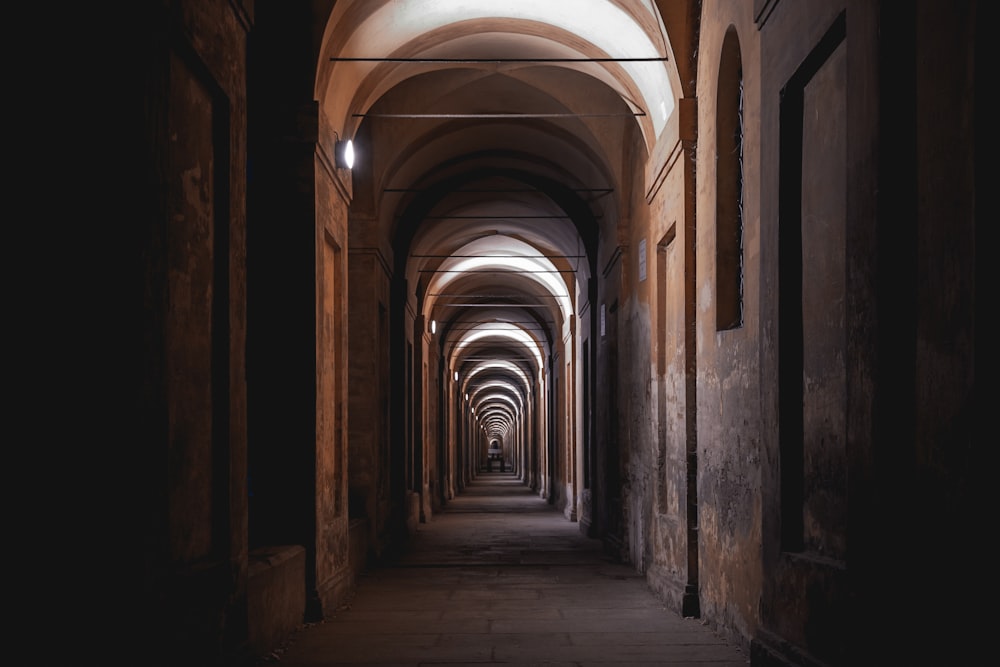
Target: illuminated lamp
[(344, 153)]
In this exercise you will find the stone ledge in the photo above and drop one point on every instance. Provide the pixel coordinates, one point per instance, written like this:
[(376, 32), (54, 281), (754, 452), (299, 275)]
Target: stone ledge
[(276, 595)]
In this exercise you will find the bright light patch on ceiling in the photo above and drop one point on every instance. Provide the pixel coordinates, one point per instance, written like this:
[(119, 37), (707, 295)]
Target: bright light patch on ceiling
[(488, 253), (508, 366), (506, 386), (482, 399), (503, 330), (599, 22)]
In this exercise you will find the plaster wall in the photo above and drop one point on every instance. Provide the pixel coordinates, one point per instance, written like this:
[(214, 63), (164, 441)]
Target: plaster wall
[(191, 289), (637, 428), (433, 449), (807, 124), (670, 200), (607, 505), (560, 492), (332, 521), (193, 286), (624, 429), (584, 422), (368, 398), (728, 376), (276, 596), (573, 423)]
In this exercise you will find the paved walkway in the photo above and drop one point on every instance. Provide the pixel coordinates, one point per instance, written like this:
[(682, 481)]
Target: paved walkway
[(501, 578)]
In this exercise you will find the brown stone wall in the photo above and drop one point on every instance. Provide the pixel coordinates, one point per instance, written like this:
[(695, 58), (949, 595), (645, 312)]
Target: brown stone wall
[(636, 427), (275, 596), (824, 315), (332, 521), (432, 424), (369, 424), (728, 390), (671, 204), (607, 507), (806, 398), (557, 464), (194, 310)]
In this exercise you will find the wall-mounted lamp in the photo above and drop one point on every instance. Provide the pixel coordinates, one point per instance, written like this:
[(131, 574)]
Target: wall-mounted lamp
[(456, 376), (434, 326), (343, 152)]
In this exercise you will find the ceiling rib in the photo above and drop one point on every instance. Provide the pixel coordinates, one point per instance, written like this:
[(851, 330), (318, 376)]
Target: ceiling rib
[(480, 256), (533, 327), (627, 114), (527, 271), (495, 305), (495, 190), (493, 296), (493, 61)]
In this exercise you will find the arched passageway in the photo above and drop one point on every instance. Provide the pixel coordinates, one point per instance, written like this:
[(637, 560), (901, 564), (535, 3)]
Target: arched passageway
[(698, 277), (496, 150)]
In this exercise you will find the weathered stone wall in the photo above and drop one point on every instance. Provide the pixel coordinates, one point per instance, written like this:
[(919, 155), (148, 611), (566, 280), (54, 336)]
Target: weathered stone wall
[(728, 376), (433, 447), (194, 401), (368, 398), (807, 317), (332, 521), (607, 487), (670, 200), (276, 596), (636, 427)]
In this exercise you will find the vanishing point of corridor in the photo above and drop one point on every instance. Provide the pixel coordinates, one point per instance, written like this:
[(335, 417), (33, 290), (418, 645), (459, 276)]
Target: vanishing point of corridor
[(500, 577)]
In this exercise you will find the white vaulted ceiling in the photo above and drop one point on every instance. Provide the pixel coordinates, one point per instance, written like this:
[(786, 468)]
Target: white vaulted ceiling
[(495, 143), (621, 43)]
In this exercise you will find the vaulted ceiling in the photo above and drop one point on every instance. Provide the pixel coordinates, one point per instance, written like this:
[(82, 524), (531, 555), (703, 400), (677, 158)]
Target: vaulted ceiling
[(491, 138)]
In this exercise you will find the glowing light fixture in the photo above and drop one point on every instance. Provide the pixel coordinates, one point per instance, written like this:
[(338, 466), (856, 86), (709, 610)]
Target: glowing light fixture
[(344, 153), (434, 326)]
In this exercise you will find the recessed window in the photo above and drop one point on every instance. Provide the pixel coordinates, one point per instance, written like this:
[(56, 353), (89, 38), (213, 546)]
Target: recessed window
[(729, 188)]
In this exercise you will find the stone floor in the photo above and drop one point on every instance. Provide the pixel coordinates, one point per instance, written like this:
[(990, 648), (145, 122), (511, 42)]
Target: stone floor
[(501, 577)]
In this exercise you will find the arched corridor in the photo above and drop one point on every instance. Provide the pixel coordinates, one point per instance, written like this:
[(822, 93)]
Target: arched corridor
[(698, 279)]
